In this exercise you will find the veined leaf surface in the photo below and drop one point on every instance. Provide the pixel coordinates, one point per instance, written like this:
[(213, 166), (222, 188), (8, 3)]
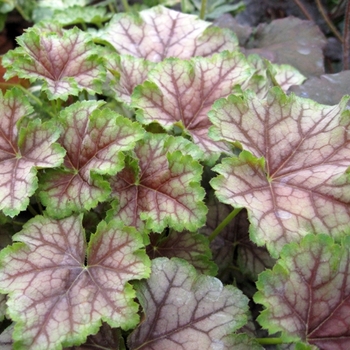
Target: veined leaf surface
[(186, 310), (307, 294), (67, 61), (54, 296), (182, 92), (159, 32), (94, 139), (125, 72), (161, 186), (22, 151), (296, 178)]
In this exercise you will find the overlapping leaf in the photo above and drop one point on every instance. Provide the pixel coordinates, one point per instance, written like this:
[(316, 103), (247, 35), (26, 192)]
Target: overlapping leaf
[(186, 310), (125, 73), (268, 75), (307, 294), (161, 187), (300, 183), (190, 246), (182, 92), (66, 62), (54, 297), (157, 33), (94, 140), (22, 151)]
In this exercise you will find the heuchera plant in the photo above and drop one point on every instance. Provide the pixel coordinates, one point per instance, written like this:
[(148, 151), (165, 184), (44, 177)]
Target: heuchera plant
[(149, 165)]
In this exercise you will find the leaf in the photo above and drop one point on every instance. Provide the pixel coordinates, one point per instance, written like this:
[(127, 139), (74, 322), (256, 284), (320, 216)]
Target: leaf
[(299, 183), (66, 62), (306, 295), (22, 151), (63, 4), (268, 75), (292, 41), (125, 73), (182, 92), (161, 187), (77, 14), (185, 309), (327, 89), (190, 246), (286, 76), (6, 338), (54, 297), (157, 33), (242, 342), (94, 139)]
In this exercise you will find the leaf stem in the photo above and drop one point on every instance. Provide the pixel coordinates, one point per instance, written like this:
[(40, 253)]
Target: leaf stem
[(111, 8), (346, 37), (328, 21), (21, 12), (41, 210), (18, 223), (269, 341), (183, 6), (203, 9), (28, 93), (32, 210), (126, 5), (224, 223), (56, 105)]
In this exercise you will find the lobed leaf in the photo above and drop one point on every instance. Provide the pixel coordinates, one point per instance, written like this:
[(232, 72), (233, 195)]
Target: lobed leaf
[(306, 295), (161, 187), (67, 62), (54, 297), (94, 139), (186, 310), (22, 151), (159, 32), (301, 183), (182, 92)]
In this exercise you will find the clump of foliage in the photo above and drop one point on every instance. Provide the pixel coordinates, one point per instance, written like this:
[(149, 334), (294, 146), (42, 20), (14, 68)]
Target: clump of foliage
[(159, 189)]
